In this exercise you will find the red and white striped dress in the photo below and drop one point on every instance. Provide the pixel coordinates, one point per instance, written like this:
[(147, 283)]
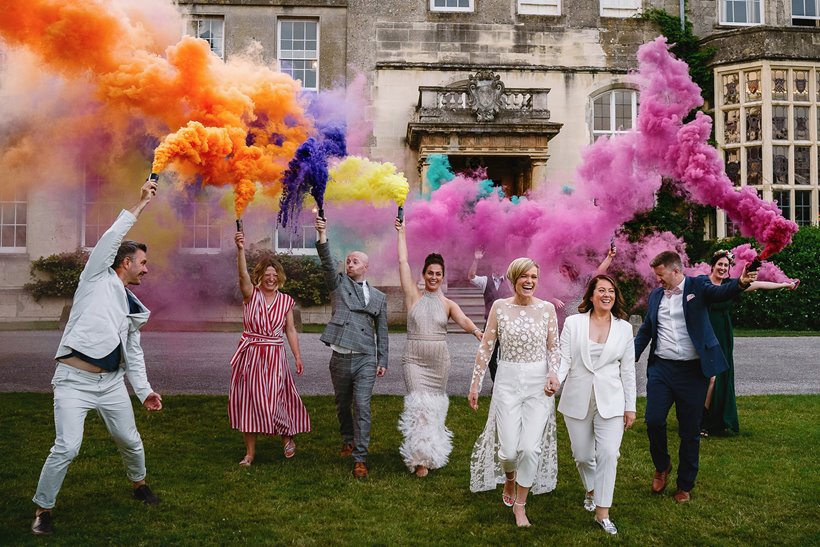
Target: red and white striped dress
[(263, 397)]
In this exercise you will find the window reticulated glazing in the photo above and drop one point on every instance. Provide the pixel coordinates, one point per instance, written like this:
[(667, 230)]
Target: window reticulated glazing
[(732, 163), (753, 127), (801, 123), (780, 122), (802, 207), (211, 28), (801, 85), (782, 197), (769, 134), (13, 219), (802, 165), (780, 164), (731, 126), (779, 85), (299, 51), (753, 90), (730, 89), (614, 112), (754, 165)]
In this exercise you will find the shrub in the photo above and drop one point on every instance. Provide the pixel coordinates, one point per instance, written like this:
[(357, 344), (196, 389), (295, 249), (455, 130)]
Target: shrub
[(784, 309), (56, 275), (193, 277), (305, 280)]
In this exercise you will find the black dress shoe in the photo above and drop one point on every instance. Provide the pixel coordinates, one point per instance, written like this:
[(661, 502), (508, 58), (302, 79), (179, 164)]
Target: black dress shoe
[(143, 493), (42, 525)]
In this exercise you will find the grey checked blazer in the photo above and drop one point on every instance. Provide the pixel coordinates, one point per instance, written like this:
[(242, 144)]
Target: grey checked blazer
[(354, 325)]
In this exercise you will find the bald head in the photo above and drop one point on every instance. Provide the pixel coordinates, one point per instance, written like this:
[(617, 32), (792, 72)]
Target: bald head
[(356, 265)]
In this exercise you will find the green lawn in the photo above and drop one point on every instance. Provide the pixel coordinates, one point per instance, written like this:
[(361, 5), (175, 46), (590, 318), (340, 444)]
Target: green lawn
[(759, 487), (762, 333)]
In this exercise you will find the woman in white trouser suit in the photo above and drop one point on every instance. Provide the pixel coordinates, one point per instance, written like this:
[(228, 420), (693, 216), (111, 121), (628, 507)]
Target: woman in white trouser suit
[(521, 420), (598, 399)]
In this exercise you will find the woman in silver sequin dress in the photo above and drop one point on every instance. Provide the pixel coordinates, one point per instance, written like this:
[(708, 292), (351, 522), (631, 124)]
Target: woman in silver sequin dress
[(427, 441)]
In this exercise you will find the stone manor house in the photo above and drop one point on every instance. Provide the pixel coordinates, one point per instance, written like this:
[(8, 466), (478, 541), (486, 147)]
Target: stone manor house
[(552, 75)]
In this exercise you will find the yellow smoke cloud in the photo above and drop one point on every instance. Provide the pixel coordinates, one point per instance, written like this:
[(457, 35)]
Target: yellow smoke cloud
[(359, 179)]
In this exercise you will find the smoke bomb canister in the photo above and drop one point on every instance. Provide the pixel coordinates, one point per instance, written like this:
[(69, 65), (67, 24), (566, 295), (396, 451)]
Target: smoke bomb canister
[(321, 213), (239, 225), (400, 214), (154, 177)]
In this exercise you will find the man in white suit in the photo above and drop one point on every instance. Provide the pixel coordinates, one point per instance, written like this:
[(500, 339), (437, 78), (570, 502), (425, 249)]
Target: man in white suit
[(100, 345), (598, 399)]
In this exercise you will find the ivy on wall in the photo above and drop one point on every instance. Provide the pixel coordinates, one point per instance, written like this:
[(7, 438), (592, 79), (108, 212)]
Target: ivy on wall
[(686, 47), (673, 213), (56, 275)]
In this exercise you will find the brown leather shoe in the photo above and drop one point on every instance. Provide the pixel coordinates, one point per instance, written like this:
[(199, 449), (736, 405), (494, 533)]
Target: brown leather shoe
[(360, 470), (346, 451), (659, 480), (681, 496)]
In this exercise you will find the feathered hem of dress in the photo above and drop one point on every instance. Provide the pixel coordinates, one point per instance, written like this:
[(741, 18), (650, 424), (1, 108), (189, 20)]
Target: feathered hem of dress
[(427, 441)]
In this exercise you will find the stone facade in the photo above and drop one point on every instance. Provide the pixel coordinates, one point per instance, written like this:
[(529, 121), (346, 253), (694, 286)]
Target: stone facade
[(560, 63)]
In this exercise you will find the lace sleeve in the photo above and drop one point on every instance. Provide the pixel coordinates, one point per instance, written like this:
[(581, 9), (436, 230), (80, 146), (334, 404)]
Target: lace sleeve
[(485, 351), (553, 349)]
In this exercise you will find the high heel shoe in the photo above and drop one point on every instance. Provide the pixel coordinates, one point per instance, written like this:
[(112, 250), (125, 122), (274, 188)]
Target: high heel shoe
[(507, 499), (526, 521)]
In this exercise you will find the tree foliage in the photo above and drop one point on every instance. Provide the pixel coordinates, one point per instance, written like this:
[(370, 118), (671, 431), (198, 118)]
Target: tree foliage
[(784, 309)]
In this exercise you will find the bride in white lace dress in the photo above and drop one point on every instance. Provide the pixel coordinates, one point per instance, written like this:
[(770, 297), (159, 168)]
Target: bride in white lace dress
[(518, 446)]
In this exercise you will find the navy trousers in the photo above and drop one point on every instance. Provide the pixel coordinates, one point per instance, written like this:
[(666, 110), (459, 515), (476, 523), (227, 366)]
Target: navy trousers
[(683, 384)]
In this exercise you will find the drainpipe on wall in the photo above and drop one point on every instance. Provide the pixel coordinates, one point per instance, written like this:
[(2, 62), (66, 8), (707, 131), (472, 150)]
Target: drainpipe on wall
[(682, 16)]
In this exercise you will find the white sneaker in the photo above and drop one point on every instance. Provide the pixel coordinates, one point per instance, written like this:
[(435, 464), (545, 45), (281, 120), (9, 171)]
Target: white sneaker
[(608, 527), (589, 503)]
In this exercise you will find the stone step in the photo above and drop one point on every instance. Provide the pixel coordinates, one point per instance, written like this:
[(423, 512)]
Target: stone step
[(471, 302)]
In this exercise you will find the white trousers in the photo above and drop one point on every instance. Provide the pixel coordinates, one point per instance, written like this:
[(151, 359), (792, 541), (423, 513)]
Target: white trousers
[(596, 443), (521, 416), (75, 393)]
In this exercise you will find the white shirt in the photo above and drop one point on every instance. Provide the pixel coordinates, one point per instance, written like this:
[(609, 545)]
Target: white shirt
[(480, 281), (340, 349), (673, 338)]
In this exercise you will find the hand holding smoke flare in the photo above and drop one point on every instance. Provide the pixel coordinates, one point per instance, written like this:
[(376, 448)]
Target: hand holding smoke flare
[(308, 172)]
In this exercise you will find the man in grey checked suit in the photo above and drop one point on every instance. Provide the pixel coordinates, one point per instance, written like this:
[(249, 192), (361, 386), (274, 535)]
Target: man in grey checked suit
[(357, 334)]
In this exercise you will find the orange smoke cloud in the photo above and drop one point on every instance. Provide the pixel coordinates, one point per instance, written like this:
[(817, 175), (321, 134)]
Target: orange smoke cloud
[(234, 123)]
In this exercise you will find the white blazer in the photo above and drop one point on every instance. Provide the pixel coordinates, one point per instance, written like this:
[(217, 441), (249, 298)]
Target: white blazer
[(612, 377), (100, 319)]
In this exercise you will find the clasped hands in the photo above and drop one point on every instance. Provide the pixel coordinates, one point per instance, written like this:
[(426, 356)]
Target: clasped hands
[(552, 386)]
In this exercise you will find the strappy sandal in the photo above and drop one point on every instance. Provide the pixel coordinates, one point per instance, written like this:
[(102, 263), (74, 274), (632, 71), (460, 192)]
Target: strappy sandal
[(506, 498), (290, 449), (528, 524), (245, 462)]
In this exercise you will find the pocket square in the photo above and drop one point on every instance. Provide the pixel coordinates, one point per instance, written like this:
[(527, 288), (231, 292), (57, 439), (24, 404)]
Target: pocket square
[(689, 297)]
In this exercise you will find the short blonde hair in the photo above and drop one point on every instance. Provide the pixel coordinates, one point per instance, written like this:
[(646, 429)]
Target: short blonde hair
[(519, 267)]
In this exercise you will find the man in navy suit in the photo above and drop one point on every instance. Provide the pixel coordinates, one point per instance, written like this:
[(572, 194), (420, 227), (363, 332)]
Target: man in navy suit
[(683, 355)]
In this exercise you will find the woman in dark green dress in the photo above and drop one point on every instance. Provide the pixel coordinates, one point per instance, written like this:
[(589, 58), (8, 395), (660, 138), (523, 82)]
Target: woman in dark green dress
[(720, 407)]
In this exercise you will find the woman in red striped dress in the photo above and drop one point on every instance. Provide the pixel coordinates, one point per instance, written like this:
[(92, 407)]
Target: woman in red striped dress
[(263, 398)]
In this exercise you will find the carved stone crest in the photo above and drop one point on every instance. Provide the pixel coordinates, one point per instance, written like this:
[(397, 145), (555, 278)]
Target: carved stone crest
[(485, 91)]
